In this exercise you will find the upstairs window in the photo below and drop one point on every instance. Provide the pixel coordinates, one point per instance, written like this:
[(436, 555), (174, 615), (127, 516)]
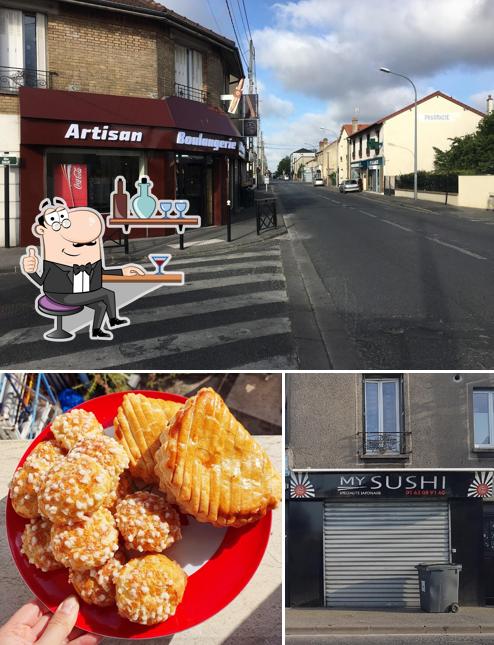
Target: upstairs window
[(383, 416), (483, 418), (188, 74), (22, 50)]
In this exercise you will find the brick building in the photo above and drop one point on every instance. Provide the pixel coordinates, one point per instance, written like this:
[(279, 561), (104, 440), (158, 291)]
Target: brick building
[(64, 62)]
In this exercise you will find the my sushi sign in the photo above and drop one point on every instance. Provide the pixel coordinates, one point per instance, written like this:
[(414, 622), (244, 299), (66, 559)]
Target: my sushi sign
[(317, 485)]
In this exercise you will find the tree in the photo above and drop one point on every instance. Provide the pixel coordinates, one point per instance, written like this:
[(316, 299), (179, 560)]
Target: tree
[(284, 167), (472, 154), (300, 171)]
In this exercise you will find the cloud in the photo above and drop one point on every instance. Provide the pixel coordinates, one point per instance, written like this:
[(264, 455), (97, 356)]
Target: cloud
[(479, 99), (274, 106)]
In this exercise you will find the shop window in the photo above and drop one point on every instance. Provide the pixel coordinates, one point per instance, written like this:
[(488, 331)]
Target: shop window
[(188, 74), (483, 418), (22, 50), (87, 179), (383, 412)]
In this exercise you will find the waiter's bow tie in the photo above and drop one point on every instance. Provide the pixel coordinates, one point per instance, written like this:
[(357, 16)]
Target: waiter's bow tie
[(82, 267)]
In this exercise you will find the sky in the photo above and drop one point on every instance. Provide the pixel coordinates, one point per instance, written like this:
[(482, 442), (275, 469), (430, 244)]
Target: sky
[(317, 61)]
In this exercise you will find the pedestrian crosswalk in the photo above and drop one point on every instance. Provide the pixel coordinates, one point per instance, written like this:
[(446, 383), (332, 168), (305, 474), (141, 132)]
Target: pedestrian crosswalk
[(232, 313)]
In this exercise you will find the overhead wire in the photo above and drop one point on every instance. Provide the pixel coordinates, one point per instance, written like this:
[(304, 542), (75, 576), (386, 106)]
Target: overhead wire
[(214, 16), (235, 32), (247, 18)]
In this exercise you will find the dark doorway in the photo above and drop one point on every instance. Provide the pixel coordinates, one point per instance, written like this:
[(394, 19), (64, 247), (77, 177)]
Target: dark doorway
[(488, 568), (466, 545), (195, 183)]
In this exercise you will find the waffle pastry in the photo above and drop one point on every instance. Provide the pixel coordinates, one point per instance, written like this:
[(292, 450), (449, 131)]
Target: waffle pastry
[(138, 424), (211, 467), (149, 589)]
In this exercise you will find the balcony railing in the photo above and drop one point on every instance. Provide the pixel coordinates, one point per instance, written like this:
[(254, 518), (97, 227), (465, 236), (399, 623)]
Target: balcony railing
[(384, 443), (191, 93), (12, 78)]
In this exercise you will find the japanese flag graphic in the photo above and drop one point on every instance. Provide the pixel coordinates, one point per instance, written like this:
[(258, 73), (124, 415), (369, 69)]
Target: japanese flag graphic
[(300, 486), (482, 485)]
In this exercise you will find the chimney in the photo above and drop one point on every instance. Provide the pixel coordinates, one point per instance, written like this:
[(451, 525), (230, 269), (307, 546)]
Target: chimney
[(490, 104), (354, 124)]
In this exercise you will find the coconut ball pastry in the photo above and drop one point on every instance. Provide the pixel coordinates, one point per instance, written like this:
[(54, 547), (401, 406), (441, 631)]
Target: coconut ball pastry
[(96, 586), (108, 452), (71, 427), (147, 522), (85, 545), (28, 479), (74, 489), (36, 545), (149, 589)]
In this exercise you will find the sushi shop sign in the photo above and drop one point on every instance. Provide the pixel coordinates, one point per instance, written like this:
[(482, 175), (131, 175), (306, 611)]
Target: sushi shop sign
[(424, 484)]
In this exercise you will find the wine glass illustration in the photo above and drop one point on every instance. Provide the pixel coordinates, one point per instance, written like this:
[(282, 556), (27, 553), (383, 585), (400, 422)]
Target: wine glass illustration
[(166, 207), (182, 206), (160, 260)]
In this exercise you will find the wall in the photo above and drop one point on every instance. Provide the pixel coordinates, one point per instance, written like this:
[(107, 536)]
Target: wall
[(10, 141), (342, 158), (96, 52), (432, 197), (397, 134), (474, 191), (325, 419)]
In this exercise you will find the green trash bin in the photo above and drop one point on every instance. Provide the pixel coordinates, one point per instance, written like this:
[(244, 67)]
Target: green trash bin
[(438, 584)]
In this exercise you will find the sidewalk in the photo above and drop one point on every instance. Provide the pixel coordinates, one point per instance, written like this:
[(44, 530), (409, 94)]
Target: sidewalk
[(432, 207), (469, 620), (196, 241)]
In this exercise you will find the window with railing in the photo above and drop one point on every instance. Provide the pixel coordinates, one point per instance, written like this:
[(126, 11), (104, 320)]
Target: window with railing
[(188, 74), (22, 50), (383, 414)]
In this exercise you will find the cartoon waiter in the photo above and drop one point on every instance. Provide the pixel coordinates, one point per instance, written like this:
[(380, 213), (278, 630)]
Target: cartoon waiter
[(72, 263)]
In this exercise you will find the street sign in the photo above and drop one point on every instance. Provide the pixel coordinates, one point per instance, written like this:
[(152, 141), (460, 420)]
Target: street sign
[(10, 161)]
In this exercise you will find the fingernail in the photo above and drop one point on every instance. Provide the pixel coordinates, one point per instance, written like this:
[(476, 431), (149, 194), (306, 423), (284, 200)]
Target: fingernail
[(69, 605)]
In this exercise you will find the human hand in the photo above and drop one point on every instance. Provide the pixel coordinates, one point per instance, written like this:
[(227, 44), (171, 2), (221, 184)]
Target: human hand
[(33, 623), (133, 269), (30, 261)]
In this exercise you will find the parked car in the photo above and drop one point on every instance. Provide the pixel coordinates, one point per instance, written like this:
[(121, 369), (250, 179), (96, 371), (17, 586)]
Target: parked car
[(318, 181), (349, 186)]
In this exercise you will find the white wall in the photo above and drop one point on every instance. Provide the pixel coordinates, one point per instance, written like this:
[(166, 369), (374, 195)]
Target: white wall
[(438, 120), (475, 191), (10, 141)]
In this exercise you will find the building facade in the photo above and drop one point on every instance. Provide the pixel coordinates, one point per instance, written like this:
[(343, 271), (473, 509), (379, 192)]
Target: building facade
[(385, 149), (300, 161), (72, 72), (343, 149), (327, 157), (383, 473)]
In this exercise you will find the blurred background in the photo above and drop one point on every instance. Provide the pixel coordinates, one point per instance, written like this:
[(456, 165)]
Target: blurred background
[(29, 401)]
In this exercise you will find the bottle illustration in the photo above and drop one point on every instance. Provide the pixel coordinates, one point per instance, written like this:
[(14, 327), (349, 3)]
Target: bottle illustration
[(120, 199), (144, 203)]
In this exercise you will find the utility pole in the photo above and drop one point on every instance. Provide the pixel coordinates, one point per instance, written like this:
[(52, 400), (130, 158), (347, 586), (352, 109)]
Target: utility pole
[(250, 143)]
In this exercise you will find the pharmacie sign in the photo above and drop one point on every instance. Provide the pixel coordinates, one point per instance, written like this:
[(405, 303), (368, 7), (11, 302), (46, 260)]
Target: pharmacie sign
[(424, 484)]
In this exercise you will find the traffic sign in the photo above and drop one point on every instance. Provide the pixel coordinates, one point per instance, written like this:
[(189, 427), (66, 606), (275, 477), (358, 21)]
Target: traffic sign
[(10, 161)]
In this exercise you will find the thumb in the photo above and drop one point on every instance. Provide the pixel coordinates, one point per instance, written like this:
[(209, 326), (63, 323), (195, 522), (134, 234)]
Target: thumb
[(61, 623), (32, 251)]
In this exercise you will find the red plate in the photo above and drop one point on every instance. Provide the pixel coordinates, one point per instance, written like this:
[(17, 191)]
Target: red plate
[(209, 589)]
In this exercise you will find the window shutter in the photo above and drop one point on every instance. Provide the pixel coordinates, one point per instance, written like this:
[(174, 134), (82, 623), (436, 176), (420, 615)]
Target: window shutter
[(11, 46), (41, 41), (180, 65), (195, 70)]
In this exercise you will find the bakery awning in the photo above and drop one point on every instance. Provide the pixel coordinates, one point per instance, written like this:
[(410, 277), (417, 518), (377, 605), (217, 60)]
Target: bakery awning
[(60, 118)]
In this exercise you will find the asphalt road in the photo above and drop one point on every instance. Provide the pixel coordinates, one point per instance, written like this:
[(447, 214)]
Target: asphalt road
[(407, 288), (393, 639)]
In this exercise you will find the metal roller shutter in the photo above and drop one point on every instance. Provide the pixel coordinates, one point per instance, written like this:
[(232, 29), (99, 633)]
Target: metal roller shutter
[(371, 548)]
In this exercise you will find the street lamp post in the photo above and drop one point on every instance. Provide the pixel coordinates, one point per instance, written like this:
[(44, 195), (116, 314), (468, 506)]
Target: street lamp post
[(388, 71)]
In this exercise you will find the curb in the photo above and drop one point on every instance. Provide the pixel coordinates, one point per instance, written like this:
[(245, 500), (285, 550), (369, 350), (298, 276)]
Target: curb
[(384, 630)]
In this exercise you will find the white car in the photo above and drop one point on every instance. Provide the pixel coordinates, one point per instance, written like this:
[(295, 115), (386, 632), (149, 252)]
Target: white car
[(349, 186), (318, 181)]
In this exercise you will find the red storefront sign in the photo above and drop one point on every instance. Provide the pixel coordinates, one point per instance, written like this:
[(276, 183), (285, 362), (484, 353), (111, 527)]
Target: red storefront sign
[(70, 183)]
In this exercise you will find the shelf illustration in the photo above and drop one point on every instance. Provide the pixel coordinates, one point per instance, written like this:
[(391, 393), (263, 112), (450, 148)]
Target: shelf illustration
[(144, 210)]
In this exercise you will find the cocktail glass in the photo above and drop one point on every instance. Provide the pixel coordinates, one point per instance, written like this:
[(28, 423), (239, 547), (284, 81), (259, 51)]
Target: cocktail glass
[(160, 260), (166, 207), (182, 206)]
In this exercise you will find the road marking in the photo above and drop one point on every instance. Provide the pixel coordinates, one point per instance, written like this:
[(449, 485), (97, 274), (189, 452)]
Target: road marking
[(456, 248), (166, 312), (178, 260), (369, 214), (150, 348), (403, 228)]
